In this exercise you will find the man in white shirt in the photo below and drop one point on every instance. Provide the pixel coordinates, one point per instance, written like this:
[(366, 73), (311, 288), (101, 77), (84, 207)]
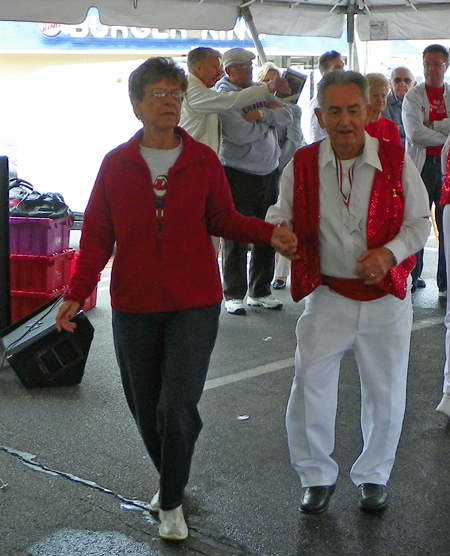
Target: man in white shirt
[(202, 103), (359, 210), (329, 61), (426, 118)]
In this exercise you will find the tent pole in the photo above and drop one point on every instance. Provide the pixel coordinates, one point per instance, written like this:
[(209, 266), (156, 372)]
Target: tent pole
[(246, 14), (352, 55), (5, 295)]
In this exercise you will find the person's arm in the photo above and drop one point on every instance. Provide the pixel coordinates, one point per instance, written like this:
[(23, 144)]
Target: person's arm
[(223, 220), (238, 131), (282, 211), (374, 264), (316, 133), (208, 101), (278, 115), (294, 138), (96, 243), (415, 229), (416, 129)]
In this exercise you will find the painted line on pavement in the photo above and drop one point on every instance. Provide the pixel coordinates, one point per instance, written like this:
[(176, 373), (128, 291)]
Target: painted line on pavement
[(289, 362)]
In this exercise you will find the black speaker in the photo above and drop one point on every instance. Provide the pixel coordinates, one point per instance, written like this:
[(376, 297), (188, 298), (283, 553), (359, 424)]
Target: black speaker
[(40, 355)]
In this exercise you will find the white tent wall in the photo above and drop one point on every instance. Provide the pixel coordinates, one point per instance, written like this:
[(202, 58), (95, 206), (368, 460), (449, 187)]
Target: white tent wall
[(406, 19)]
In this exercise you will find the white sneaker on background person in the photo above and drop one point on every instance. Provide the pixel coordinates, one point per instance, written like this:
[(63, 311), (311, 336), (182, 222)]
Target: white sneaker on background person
[(444, 405), (266, 302), (235, 307)]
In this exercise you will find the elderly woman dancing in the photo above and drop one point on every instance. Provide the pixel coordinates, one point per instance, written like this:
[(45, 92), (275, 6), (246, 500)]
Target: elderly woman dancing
[(158, 198)]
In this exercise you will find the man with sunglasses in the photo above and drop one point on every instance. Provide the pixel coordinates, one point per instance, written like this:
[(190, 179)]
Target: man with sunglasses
[(402, 80), (426, 117)]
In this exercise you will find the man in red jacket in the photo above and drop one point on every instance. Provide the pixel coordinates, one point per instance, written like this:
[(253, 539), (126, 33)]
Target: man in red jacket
[(359, 210)]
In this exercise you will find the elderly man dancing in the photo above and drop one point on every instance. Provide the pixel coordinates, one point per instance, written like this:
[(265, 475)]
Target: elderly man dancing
[(360, 210)]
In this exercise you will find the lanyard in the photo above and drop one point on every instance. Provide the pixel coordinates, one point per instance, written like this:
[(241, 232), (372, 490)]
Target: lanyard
[(340, 179)]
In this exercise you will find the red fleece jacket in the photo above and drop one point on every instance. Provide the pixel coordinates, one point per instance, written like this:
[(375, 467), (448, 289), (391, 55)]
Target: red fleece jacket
[(171, 270)]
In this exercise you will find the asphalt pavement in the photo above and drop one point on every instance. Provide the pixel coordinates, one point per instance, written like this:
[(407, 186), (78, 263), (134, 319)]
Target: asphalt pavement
[(75, 478)]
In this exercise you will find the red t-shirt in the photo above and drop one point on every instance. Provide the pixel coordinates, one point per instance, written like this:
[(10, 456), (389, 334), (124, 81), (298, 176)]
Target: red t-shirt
[(384, 129), (437, 112)]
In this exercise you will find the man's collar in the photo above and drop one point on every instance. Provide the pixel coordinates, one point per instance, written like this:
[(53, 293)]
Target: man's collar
[(369, 153)]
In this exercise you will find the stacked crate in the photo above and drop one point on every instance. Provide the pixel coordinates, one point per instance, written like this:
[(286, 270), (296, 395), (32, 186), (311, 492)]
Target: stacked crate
[(40, 262)]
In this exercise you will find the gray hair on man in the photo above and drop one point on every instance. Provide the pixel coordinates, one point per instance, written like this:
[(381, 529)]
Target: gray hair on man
[(342, 78), (402, 68), (200, 54)]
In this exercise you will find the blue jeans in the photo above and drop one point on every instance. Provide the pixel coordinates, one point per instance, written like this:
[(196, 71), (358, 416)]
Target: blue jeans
[(163, 360)]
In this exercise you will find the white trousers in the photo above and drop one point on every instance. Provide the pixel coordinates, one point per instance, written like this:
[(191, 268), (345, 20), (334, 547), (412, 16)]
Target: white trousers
[(282, 266), (446, 228), (379, 332)]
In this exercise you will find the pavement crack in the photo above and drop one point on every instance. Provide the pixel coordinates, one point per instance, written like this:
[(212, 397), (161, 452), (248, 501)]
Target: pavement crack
[(28, 460), (204, 539)]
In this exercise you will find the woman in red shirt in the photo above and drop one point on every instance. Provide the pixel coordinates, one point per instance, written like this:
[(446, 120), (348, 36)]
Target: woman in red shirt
[(379, 126)]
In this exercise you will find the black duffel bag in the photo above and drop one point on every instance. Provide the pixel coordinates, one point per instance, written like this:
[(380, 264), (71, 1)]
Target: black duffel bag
[(25, 201)]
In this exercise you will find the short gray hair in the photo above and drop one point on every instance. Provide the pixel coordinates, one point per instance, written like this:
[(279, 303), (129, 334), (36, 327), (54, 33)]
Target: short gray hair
[(200, 54), (342, 78), (152, 71), (402, 68)]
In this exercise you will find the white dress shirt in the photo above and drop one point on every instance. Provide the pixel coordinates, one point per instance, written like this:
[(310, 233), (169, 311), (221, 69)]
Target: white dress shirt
[(340, 244), (316, 133)]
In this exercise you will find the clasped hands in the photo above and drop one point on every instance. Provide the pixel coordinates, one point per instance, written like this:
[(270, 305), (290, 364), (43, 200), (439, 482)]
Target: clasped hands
[(285, 241), (374, 265)]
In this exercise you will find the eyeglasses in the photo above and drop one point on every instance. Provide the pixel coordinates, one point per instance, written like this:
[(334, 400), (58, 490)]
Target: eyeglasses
[(242, 66), (406, 80), (435, 65), (162, 93)]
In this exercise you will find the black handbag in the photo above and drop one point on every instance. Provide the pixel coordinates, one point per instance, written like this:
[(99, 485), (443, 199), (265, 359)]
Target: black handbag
[(25, 201)]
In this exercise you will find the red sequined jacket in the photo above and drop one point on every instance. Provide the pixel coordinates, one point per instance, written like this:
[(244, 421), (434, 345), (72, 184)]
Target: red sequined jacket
[(385, 217)]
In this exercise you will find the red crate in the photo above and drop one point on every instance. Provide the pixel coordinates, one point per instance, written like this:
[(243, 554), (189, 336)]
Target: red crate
[(38, 236), (34, 273), (24, 303)]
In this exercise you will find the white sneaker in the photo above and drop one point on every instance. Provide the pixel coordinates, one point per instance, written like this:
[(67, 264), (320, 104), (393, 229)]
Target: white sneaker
[(444, 405), (235, 307), (173, 527), (266, 302), (154, 504)]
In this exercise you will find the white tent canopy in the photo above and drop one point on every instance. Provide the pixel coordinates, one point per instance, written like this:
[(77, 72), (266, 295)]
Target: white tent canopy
[(375, 19)]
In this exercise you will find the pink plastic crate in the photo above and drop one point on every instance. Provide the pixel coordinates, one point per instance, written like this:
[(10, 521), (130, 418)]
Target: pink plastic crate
[(35, 273), (24, 303), (38, 236)]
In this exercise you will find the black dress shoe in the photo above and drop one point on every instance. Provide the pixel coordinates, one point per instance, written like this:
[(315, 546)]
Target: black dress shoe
[(315, 499), (372, 497), (279, 284), (420, 283)]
